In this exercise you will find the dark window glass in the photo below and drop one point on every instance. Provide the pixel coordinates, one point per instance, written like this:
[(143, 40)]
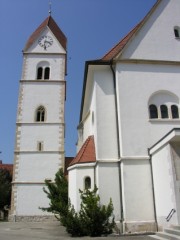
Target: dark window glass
[(40, 146), (39, 73), (164, 111), (47, 73), (174, 111), (87, 183), (176, 33), (40, 114), (153, 111)]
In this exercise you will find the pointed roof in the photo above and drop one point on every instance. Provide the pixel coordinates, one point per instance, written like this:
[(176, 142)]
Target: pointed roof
[(48, 22), (121, 45), (87, 152)]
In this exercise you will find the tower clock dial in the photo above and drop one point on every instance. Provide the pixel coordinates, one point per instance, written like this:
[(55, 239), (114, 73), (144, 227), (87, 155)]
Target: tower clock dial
[(45, 41)]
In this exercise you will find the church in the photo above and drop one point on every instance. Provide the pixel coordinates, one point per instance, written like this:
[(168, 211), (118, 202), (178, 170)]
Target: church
[(129, 128)]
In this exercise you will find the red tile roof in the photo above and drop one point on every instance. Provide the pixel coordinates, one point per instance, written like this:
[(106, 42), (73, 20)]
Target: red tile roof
[(120, 46), (48, 22), (8, 167), (87, 152)]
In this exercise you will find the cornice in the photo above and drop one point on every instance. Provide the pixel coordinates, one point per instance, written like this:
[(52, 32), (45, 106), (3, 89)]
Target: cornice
[(42, 81), (39, 123)]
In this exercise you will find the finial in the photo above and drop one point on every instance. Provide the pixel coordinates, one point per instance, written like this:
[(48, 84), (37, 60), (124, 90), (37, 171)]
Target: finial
[(50, 3)]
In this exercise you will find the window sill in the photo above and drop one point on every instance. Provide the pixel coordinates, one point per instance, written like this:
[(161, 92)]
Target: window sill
[(165, 120)]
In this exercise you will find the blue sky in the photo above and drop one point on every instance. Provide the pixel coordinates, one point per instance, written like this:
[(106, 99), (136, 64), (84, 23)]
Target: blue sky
[(92, 27)]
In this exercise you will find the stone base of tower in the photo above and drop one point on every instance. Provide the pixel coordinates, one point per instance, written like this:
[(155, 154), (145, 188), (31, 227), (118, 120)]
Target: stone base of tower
[(35, 218)]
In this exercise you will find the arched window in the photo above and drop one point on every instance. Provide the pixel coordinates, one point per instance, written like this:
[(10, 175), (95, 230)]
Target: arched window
[(39, 73), (153, 113), (174, 111), (164, 111), (43, 70), (46, 73), (87, 183), (40, 114)]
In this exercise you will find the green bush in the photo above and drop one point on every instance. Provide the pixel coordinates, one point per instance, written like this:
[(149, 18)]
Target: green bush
[(93, 219)]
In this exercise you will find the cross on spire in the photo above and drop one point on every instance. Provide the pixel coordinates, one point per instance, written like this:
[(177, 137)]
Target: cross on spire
[(50, 4)]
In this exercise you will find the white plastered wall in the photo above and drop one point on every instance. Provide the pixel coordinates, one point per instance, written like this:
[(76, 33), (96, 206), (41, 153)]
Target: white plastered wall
[(156, 39), (25, 205), (105, 116), (77, 175), (164, 185), (108, 183), (137, 193), (136, 84)]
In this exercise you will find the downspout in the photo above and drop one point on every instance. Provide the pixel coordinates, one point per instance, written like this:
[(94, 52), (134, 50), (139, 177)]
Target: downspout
[(154, 203), (118, 143)]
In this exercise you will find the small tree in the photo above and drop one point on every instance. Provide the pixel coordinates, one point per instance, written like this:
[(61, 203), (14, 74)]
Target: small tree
[(57, 192), (5, 189), (93, 218)]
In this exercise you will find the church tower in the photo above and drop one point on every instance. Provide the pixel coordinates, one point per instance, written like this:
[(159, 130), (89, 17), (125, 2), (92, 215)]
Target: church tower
[(39, 146)]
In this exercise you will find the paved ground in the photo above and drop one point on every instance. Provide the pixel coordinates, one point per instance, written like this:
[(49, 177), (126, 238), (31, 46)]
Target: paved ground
[(50, 231)]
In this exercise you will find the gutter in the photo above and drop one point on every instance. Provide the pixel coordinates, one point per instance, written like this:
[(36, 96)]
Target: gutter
[(118, 143)]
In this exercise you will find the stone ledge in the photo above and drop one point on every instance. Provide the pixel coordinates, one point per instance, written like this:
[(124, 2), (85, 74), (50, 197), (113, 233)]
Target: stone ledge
[(35, 218)]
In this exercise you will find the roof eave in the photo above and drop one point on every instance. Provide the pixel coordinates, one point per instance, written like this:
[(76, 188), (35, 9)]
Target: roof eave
[(134, 32)]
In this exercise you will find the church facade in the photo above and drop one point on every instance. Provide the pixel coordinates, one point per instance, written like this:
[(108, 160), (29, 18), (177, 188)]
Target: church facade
[(39, 147), (129, 129)]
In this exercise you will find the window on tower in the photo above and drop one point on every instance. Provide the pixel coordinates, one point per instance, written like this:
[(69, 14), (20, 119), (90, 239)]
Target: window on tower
[(43, 71), (46, 73), (40, 114), (40, 146), (39, 73)]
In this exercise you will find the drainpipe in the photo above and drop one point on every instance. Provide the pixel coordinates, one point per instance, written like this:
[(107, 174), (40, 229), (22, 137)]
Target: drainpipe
[(118, 144), (154, 203)]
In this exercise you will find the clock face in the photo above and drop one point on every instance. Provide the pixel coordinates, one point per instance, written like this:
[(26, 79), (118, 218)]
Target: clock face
[(45, 42)]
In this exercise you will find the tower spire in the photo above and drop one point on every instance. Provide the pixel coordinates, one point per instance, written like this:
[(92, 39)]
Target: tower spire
[(50, 4)]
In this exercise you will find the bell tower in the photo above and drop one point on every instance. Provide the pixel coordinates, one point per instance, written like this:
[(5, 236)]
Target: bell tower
[(39, 146)]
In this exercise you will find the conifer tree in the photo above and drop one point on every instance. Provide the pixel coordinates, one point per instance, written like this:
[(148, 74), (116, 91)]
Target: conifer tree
[(93, 219), (57, 192)]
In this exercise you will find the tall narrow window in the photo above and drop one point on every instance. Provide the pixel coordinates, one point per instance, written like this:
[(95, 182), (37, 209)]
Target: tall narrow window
[(176, 32), (40, 73), (40, 146), (87, 183), (153, 111), (164, 111), (40, 114), (174, 111), (46, 73)]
